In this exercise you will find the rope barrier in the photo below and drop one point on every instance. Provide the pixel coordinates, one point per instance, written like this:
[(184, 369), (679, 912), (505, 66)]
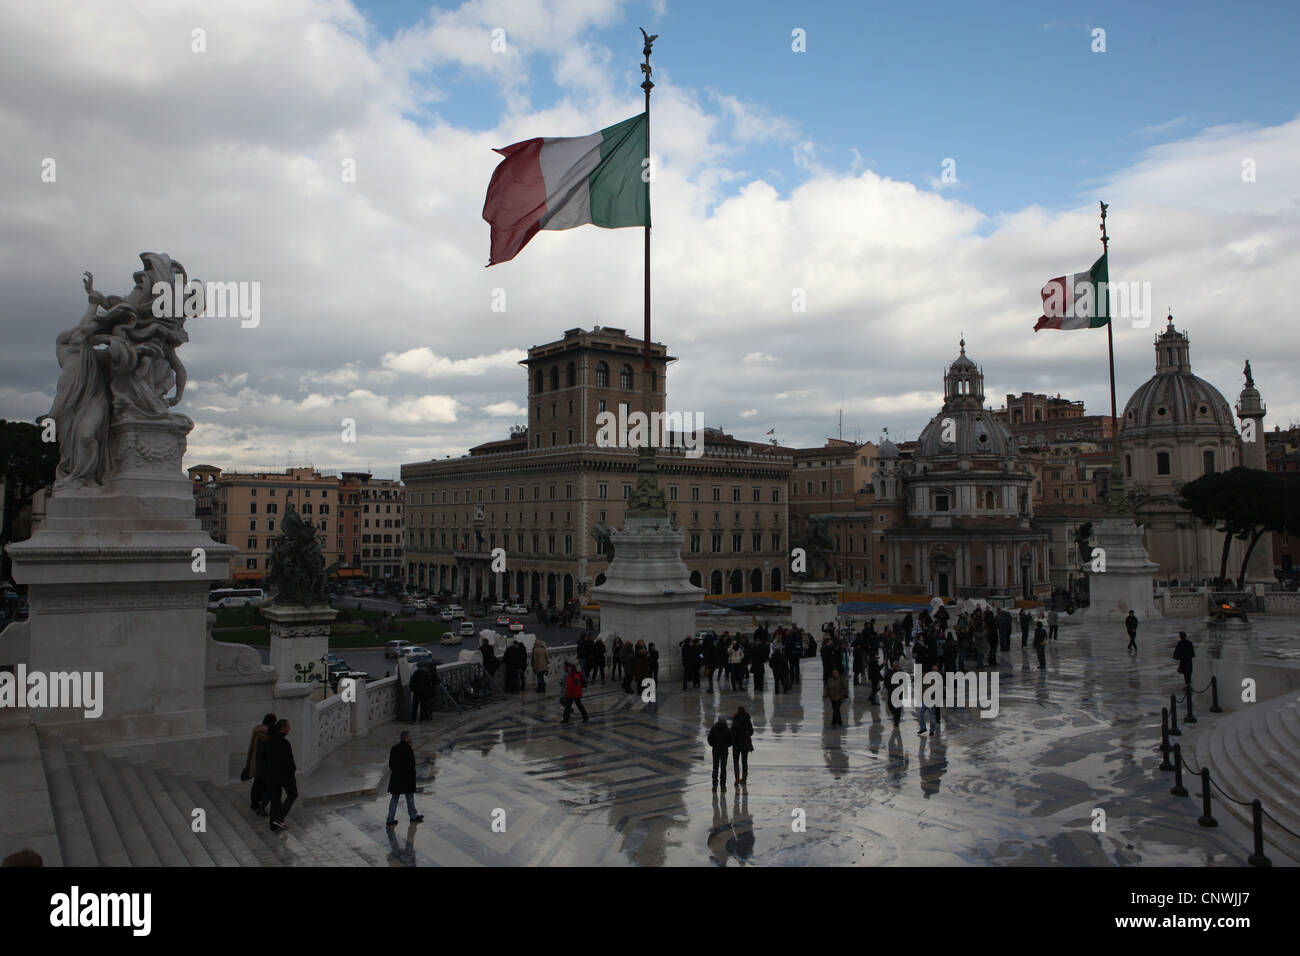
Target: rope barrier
[(1280, 826)]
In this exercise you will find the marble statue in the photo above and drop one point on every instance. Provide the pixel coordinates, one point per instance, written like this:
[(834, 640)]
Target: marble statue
[(117, 364)]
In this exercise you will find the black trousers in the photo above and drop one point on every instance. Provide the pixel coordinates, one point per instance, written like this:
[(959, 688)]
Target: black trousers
[(257, 795), (280, 808), (598, 669), (541, 681), (569, 703), (794, 667), (1024, 637), (1042, 662), (836, 719), (758, 678), (720, 766), (993, 650), (741, 761)]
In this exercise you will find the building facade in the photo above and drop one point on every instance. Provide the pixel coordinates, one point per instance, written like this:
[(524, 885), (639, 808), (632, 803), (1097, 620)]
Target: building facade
[(545, 495)]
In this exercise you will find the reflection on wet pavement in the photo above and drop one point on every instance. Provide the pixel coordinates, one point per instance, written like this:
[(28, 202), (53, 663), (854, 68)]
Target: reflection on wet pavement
[(1022, 788)]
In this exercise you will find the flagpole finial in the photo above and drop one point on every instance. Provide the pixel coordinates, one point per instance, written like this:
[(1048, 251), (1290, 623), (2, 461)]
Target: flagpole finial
[(650, 38), (1105, 239)]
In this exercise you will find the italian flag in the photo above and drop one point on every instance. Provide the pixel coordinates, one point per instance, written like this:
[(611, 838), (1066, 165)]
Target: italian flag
[(560, 183), (1080, 301)]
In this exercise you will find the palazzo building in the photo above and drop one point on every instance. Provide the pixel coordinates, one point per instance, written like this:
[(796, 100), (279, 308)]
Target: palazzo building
[(541, 493)]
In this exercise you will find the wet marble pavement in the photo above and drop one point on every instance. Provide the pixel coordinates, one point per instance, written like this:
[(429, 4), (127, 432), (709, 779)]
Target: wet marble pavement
[(514, 786)]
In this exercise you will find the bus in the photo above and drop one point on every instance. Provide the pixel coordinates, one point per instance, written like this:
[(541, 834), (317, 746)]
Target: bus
[(234, 597)]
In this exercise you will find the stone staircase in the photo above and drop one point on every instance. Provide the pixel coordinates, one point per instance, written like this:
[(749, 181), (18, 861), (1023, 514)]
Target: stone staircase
[(1255, 753), (109, 811)]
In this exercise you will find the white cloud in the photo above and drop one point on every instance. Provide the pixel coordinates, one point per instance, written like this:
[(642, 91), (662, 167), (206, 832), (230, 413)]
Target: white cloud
[(748, 413), (423, 361), (505, 409)]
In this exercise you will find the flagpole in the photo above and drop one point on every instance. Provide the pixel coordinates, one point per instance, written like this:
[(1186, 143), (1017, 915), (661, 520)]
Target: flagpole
[(647, 84), (1116, 503)]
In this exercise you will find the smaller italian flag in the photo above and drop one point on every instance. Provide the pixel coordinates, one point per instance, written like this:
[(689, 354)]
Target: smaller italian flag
[(1080, 301), (560, 183)]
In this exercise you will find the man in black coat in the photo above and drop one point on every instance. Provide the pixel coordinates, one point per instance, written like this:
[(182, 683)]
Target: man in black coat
[(1025, 622), (401, 779), (758, 655), (1184, 651), (794, 653), (1004, 629), (280, 771), (720, 742)]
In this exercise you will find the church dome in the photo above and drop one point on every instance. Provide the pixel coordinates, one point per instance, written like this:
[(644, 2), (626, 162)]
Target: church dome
[(965, 428), (886, 449), (1174, 398)]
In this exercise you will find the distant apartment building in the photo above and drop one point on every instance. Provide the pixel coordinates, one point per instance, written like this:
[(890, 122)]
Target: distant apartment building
[(245, 509), (377, 505)]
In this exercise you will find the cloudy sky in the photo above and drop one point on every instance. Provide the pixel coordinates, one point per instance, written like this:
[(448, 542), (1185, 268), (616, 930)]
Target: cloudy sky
[(915, 175)]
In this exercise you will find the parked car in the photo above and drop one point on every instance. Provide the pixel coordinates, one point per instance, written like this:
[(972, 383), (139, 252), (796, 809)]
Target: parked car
[(422, 604), (395, 648), (446, 615), (516, 609), (451, 638), (496, 608), (416, 654), (466, 629)]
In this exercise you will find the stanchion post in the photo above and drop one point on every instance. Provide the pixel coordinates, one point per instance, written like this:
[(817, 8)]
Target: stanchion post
[(1164, 740), (1257, 825), (1189, 717), (1178, 790), (1206, 819), (1173, 716), (1214, 696)]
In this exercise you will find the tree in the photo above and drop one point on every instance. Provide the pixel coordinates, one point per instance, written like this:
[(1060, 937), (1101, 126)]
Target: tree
[(27, 465), (1242, 503)]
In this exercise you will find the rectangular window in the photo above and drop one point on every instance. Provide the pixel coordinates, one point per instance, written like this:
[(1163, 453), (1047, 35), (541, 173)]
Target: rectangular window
[(717, 493), (672, 492), (823, 486), (758, 495), (736, 542), (627, 491), (735, 493), (758, 541), (506, 492), (600, 405), (940, 502), (695, 492), (550, 492), (568, 490), (776, 496), (602, 489), (776, 541), (808, 489), (695, 542), (715, 542), (252, 544), (550, 544), (839, 485), (252, 524)]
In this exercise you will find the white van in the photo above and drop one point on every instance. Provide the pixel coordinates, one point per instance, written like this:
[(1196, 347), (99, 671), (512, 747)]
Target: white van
[(466, 629)]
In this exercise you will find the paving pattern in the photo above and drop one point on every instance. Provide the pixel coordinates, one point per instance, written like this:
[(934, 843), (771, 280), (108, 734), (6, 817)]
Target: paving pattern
[(632, 786)]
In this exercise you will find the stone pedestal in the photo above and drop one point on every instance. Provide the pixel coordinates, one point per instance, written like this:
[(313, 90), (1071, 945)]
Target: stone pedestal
[(1126, 582), (300, 637), (117, 588), (647, 594), (813, 603)]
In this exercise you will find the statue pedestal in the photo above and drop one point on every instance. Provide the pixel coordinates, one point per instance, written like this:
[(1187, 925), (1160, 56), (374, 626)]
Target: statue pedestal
[(1126, 582), (647, 594), (117, 590), (300, 637), (813, 603)]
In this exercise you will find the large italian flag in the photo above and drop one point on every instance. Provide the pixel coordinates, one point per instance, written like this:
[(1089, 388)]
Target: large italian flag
[(1080, 301), (559, 183)]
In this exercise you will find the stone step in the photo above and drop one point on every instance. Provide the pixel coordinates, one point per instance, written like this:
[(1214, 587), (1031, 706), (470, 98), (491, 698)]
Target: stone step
[(1277, 768), (103, 828), (176, 816), (1284, 724), (125, 819), (69, 820), (285, 848), (224, 819), (151, 816), (213, 839)]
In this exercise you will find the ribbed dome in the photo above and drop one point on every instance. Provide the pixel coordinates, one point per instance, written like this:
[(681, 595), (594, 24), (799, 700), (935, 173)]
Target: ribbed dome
[(886, 449), (975, 434), (1174, 397)]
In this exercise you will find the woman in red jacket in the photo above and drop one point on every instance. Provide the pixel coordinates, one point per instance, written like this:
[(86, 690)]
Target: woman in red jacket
[(572, 692)]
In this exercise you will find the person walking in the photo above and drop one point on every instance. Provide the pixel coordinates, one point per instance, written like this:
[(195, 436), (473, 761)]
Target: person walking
[(1040, 642), (653, 653), (616, 658), (255, 765), (836, 690), (1025, 622), (572, 692), (891, 700), (742, 743), (642, 669), (758, 664), (1053, 621), (629, 658), (489, 657), (541, 661), (736, 664), (596, 660), (1183, 654), (1004, 629), (690, 661), (1131, 625), (794, 653), (923, 710), (281, 772), (720, 741), (780, 668), (401, 779)]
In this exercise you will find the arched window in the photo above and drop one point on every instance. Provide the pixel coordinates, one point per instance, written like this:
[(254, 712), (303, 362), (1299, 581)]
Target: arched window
[(625, 377), (1207, 457), (602, 375), (555, 377), (571, 375), (538, 381)]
